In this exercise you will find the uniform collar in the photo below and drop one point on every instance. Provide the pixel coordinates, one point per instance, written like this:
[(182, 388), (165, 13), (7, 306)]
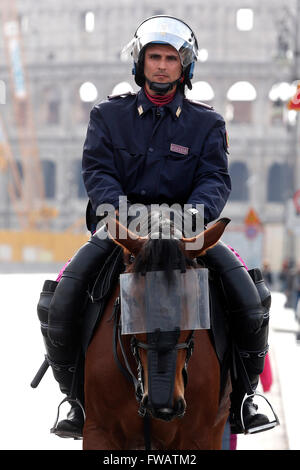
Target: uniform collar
[(175, 106)]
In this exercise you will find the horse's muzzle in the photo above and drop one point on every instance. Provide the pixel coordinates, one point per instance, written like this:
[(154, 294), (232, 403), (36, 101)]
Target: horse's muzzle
[(165, 413)]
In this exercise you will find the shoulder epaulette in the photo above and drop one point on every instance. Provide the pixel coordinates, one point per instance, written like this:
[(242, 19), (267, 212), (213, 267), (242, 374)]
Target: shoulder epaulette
[(199, 103), (122, 95)]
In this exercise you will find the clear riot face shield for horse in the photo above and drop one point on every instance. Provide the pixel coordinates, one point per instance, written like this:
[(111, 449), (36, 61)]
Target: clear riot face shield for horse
[(152, 301)]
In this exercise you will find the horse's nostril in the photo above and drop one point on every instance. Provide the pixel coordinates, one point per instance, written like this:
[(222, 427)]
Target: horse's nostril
[(164, 413)]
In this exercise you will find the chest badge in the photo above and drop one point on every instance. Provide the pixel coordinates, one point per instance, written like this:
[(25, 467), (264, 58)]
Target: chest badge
[(179, 149)]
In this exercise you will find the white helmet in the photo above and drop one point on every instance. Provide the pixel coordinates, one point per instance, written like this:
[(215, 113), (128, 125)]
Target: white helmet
[(163, 29)]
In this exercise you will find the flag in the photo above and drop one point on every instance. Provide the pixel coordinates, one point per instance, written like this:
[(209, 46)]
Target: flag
[(294, 103)]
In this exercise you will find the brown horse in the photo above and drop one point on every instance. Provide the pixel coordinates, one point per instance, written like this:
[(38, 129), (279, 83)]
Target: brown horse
[(198, 413)]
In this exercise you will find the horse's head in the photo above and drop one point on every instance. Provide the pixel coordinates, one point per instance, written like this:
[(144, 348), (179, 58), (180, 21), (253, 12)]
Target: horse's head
[(162, 354)]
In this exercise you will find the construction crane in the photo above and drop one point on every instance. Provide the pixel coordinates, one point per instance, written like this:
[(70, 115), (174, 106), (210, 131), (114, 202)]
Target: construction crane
[(27, 190), (8, 163)]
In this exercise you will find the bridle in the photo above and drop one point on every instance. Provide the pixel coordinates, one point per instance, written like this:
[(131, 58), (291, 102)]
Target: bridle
[(154, 347), (135, 345)]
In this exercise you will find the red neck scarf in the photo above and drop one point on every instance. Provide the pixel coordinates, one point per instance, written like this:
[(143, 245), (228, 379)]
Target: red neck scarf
[(160, 100)]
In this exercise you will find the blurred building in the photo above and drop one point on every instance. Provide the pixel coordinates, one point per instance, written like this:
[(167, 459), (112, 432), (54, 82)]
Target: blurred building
[(247, 63)]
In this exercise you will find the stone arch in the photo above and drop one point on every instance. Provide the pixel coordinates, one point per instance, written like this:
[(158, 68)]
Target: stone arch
[(122, 87), (279, 186), (78, 180), (51, 105), (240, 97), (279, 95), (201, 91), (239, 176), (86, 94)]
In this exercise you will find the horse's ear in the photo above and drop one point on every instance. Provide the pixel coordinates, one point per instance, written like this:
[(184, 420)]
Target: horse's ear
[(125, 238), (206, 239)]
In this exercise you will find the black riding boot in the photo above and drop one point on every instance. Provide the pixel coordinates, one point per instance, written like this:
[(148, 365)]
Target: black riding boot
[(249, 304), (62, 360), (59, 310), (252, 350)]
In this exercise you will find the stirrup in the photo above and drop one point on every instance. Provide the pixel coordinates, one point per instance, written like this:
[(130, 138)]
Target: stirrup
[(264, 427), (53, 430)]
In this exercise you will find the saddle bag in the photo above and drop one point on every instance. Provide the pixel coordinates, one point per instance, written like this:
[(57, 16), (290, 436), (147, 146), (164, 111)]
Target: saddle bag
[(44, 303)]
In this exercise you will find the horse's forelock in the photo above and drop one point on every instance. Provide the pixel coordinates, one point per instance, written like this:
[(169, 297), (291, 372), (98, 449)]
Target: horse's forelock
[(161, 255)]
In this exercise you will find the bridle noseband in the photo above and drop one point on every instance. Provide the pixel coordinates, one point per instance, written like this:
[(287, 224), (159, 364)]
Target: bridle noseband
[(136, 345)]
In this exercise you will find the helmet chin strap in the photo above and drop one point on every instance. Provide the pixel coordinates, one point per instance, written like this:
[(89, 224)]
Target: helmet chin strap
[(162, 88)]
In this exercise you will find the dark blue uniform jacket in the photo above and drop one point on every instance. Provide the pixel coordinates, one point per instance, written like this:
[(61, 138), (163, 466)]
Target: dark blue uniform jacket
[(173, 154)]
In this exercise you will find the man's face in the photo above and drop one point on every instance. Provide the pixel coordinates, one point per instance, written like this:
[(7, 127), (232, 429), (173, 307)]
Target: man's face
[(162, 65)]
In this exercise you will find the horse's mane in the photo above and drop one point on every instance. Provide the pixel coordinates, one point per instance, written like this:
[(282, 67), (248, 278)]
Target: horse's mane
[(160, 253)]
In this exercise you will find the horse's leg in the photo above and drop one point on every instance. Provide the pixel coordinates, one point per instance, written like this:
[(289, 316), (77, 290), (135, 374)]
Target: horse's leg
[(223, 414), (211, 439), (203, 440), (95, 439), (203, 425), (189, 436), (218, 435)]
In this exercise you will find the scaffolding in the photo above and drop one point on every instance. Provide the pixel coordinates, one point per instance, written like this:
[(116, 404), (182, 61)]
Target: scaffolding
[(26, 184)]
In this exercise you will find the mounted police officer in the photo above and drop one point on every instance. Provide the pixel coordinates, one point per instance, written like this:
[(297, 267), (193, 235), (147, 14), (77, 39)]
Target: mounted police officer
[(156, 146)]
